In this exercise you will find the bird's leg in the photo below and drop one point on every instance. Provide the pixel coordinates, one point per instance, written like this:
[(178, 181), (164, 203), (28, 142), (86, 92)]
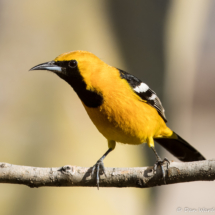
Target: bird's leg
[(160, 163), (99, 164)]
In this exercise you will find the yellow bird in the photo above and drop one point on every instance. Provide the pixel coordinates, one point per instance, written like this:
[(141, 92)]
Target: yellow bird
[(123, 108)]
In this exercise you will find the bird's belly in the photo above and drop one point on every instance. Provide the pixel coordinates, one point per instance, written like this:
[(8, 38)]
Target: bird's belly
[(115, 132), (122, 126)]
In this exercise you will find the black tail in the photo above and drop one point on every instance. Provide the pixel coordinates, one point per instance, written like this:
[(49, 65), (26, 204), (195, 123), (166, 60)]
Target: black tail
[(180, 148)]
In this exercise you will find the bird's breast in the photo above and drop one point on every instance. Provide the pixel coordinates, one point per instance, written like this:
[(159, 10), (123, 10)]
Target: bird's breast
[(122, 115), (125, 119)]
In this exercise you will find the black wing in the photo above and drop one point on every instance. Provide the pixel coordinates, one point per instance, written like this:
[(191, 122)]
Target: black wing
[(144, 92)]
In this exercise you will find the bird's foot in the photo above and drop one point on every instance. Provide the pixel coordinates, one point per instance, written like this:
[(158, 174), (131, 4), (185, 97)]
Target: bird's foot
[(160, 163), (99, 165)]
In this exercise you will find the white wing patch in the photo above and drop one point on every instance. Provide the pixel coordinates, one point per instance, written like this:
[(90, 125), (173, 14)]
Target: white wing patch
[(153, 97), (150, 96), (141, 88)]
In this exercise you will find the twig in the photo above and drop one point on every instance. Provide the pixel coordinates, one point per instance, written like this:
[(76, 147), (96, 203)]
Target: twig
[(141, 177)]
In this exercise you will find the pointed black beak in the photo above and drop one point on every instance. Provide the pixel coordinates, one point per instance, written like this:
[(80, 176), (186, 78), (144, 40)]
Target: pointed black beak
[(51, 66)]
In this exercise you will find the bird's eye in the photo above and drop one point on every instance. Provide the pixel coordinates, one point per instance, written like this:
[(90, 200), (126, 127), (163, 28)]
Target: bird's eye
[(73, 64)]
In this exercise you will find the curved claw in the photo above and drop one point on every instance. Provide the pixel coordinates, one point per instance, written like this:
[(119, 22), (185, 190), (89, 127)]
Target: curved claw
[(99, 164), (160, 163)]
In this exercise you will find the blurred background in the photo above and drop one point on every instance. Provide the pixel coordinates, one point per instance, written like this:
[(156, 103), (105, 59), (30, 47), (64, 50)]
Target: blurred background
[(170, 45)]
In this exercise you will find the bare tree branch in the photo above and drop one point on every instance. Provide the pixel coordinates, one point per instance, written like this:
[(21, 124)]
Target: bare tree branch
[(141, 177)]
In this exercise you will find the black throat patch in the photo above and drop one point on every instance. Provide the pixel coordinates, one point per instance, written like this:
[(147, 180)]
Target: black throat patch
[(73, 77)]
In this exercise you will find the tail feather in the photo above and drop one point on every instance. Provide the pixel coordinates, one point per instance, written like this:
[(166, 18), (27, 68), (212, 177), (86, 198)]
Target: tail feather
[(180, 148)]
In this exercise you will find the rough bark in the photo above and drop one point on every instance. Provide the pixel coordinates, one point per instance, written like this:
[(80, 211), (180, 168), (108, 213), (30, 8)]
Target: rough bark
[(140, 177)]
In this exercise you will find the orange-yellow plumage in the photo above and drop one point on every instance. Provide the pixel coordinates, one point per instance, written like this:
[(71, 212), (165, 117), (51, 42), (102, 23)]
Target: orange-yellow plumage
[(123, 116)]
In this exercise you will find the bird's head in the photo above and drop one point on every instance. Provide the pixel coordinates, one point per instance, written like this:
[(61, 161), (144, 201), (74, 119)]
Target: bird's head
[(73, 66)]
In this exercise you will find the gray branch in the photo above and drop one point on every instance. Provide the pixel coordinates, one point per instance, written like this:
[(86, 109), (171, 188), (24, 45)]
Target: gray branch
[(141, 177)]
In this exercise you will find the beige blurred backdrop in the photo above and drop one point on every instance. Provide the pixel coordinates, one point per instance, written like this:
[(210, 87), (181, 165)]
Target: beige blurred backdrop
[(168, 44), (43, 123), (189, 91)]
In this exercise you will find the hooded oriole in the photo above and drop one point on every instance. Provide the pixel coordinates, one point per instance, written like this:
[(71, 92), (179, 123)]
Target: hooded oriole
[(123, 108)]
